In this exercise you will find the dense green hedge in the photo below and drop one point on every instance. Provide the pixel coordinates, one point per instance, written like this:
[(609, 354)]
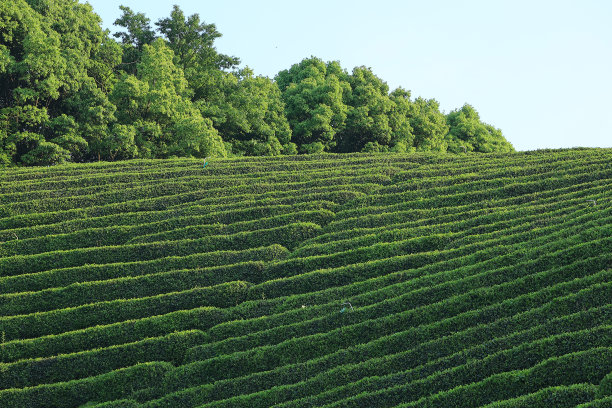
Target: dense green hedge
[(382, 394), (128, 287), (342, 229), (605, 386), (399, 283), (340, 195), (63, 320), (318, 279), (200, 318), (491, 178), (122, 403), (469, 277), (24, 264), (84, 184), (319, 217), (65, 367), (238, 339), (605, 402), (351, 358), (420, 382), (468, 223), (162, 196), (433, 208), (110, 386), (146, 222), (561, 397), (304, 348), (580, 367), (80, 274)]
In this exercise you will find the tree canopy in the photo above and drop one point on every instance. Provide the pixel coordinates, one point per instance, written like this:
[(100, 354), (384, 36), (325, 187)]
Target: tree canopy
[(71, 91)]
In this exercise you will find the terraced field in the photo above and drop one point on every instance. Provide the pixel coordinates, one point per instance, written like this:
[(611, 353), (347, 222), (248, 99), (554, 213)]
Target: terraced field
[(309, 281)]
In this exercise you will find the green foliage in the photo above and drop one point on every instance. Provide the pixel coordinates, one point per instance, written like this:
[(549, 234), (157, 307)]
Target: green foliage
[(106, 386), (156, 104), (248, 113), (314, 92), (52, 52), (138, 34), (569, 396), (72, 93), (468, 133), (428, 125), (193, 44), (323, 280), (605, 387), (376, 121)]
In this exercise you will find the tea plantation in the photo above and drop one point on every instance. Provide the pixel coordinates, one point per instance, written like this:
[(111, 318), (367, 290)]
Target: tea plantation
[(309, 281)]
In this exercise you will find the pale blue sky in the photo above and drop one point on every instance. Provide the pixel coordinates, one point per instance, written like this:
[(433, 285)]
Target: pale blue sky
[(539, 70)]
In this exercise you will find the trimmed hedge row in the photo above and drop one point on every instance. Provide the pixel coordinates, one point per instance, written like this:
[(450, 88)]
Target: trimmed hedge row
[(286, 309), (437, 316), (302, 281), (154, 221), (580, 367), (303, 348), (373, 391), (319, 217), (122, 403), (168, 202), (81, 274), (521, 193), (153, 197), (392, 284), (64, 320), (414, 298), (479, 182), (254, 164), (24, 264), (605, 402), (128, 287), (336, 193), (376, 310), (559, 397), (390, 370), (420, 247), (110, 386), (522, 356), (360, 209), (477, 220), (66, 367), (200, 318), (389, 282), (75, 185), (315, 378), (425, 177), (605, 386), (488, 223)]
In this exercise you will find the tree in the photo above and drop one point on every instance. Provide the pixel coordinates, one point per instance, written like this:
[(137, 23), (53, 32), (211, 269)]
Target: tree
[(49, 50), (399, 119), (156, 103), (193, 43), (249, 113), (313, 93), (467, 131), (428, 125), (375, 121), (138, 34), (191, 40)]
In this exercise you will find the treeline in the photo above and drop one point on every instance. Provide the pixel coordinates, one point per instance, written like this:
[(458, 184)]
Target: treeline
[(71, 91)]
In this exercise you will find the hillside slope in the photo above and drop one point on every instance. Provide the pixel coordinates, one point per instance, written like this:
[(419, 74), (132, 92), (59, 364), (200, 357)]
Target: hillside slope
[(309, 281)]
